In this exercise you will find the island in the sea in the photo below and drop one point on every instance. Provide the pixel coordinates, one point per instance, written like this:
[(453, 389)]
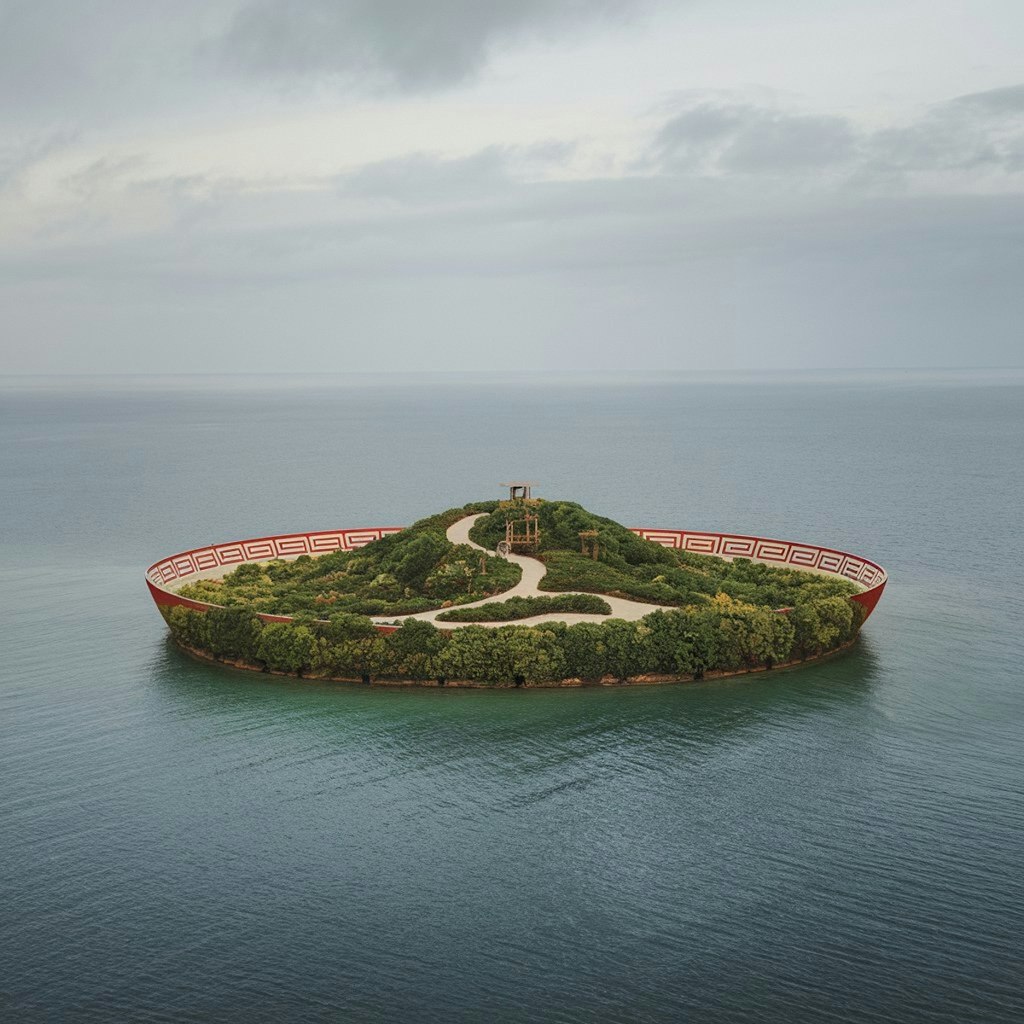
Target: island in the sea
[(517, 592)]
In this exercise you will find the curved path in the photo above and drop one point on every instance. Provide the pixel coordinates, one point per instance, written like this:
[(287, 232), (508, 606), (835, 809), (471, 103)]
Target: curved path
[(528, 586)]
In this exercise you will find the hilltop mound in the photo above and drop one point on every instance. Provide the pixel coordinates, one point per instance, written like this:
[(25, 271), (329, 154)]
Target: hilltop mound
[(628, 566), (415, 570), (419, 569)]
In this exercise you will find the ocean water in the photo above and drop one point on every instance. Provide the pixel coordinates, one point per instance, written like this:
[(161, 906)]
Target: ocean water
[(180, 842)]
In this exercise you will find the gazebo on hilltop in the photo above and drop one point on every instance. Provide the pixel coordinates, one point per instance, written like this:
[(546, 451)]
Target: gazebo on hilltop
[(522, 527), (520, 490)]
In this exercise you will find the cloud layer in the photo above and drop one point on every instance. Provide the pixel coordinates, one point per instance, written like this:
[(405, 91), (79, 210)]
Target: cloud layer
[(271, 184)]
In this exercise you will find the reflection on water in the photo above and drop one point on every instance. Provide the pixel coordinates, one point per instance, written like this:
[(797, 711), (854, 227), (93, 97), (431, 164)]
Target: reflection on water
[(507, 748), (694, 712)]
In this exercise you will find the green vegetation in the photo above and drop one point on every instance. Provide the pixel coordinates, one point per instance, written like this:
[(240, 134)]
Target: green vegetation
[(415, 570), (525, 607), (717, 615), (638, 569), (721, 635)]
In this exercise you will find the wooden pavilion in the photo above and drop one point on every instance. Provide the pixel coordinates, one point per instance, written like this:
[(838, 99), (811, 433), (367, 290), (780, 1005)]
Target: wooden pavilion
[(522, 526)]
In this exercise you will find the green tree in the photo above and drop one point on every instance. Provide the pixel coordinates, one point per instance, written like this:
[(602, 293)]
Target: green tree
[(584, 650), (820, 624), (346, 626), (468, 655), (414, 650), (348, 647), (624, 645), (285, 647), (189, 627), (673, 642), (519, 654), (233, 633)]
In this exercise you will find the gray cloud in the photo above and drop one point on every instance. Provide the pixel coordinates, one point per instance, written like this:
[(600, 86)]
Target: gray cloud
[(982, 130), (1008, 100), (85, 183), (792, 142), (746, 138), (974, 132), (108, 58), (17, 155), (404, 44)]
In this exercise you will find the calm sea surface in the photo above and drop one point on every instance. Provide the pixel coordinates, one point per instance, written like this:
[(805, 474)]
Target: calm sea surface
[(839, 843)]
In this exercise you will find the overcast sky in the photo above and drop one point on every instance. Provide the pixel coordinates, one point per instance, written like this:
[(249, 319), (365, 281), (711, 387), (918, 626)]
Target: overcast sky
[(267, 185)]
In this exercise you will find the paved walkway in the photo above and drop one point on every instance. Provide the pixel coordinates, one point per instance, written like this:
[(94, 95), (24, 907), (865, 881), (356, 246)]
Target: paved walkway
[(528, 586)]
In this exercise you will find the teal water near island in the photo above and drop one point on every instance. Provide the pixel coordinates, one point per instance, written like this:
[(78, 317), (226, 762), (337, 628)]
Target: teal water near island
[(182, 842)]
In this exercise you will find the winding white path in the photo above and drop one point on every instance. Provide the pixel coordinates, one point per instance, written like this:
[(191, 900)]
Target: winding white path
[(528, 586)]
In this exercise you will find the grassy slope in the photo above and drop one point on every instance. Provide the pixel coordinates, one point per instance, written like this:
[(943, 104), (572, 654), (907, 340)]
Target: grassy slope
[(415, 570), (418, 569), (634, 568)]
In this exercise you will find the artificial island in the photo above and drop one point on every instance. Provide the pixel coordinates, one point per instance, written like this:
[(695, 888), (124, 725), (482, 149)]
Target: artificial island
[(515, 592)]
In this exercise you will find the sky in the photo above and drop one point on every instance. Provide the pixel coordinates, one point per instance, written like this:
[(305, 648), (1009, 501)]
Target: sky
[(273, 186)]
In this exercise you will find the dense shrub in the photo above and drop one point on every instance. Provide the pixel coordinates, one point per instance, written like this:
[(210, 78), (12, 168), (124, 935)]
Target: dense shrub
[(584, 650), (507, 654), (823, 623), (415, 650), (286, 647), (188, 627), (348, 646), (233, 633), (525, 607), (411, 571), (569, 570), (721, 635), (631, 567)]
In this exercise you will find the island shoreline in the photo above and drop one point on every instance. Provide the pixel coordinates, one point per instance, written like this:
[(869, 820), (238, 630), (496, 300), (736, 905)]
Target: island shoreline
[(648, 679)]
